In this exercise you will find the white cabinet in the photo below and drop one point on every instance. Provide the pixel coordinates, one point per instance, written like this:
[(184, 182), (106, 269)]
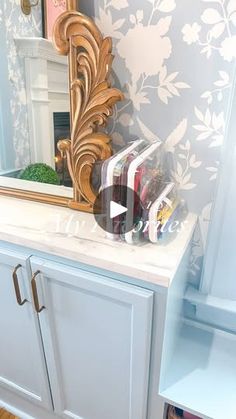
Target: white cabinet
[(73, 344), (97, 337), (22, 366), (90, 342)]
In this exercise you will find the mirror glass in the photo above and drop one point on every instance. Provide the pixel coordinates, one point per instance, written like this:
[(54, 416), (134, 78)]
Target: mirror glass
[(34, 106)]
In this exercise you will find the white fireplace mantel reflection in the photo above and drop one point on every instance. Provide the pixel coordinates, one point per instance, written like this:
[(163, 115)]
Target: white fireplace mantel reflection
[(46, 75)]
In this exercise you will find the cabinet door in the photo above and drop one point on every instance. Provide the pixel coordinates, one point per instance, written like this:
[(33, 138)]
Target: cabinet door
[(22, 366), (96, 333)]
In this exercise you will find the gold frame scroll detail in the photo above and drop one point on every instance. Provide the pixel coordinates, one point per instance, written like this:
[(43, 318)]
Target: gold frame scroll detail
[(91, 100)]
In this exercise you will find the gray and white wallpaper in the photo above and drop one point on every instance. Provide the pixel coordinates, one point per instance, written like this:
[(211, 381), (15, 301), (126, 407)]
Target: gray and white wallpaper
[(175, 62), (16, 24)]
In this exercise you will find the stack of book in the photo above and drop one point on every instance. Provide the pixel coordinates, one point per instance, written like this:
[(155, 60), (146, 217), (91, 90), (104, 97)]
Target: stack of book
[(137, 171)]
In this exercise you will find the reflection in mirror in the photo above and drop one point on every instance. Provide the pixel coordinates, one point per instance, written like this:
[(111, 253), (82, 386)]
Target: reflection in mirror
[(34, 108), (47, 93), (43, 110), (61, 123)]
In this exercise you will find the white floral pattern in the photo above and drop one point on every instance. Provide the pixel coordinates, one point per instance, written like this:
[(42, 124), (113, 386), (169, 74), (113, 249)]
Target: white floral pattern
[(191, 33), (175, 62), (220, 21)]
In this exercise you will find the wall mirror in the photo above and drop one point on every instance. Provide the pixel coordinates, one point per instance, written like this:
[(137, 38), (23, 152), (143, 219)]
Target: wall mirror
[(53, 150)]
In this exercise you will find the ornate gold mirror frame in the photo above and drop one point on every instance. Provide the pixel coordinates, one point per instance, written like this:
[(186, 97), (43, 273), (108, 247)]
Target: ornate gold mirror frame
[(91, 102)]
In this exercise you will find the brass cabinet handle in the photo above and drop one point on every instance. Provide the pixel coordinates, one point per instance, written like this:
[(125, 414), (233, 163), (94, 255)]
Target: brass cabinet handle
[(17, 287), (35, 293)]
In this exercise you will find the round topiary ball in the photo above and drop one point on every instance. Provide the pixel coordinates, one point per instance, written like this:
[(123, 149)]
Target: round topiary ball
[(40, 172)]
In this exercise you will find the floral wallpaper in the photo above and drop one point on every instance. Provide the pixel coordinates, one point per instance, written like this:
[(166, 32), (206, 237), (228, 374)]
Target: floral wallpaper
[(16, 24), (175, 61)]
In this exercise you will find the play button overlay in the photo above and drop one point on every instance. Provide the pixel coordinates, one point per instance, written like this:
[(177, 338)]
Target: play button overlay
[(117, 209)]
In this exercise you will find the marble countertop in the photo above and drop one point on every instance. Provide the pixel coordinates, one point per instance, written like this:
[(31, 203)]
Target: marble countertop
[(76, 236)]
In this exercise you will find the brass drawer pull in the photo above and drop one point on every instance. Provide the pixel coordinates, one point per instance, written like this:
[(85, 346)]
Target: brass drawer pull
[(17, 287), (35, 293)]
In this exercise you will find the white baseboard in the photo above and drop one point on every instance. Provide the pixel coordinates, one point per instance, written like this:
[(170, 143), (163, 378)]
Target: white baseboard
[(23, 408), (15, 411)]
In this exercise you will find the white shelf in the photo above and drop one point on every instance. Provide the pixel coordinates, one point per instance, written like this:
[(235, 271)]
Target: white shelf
[(197, 298), (202, 374)]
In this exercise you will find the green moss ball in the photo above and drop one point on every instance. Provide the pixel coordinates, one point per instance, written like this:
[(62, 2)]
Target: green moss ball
[(40, 172)]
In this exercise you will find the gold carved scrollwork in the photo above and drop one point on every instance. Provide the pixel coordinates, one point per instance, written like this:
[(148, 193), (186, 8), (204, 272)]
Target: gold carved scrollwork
[(92, 100)]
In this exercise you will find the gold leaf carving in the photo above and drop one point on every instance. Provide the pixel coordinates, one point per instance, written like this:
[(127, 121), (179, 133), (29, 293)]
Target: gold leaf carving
[(92, 99)]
